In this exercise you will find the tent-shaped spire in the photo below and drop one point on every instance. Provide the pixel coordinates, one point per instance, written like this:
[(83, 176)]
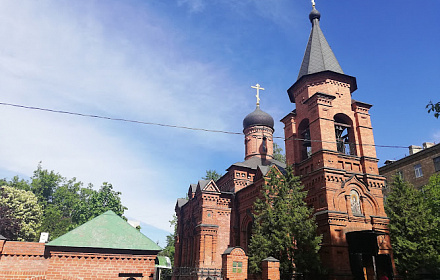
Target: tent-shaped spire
[(318, 56)]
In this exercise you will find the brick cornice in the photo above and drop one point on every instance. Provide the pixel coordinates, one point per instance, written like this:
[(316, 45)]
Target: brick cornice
[(320, 78)]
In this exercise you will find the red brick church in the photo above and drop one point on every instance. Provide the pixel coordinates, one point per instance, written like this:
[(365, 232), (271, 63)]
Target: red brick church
[(329, 141)]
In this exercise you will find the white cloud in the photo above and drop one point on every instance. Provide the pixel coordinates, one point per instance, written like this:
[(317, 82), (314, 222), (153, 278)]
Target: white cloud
[(53, 56)]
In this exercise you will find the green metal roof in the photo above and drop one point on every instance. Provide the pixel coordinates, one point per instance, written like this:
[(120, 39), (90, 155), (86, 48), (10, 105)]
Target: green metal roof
[(108, 230)]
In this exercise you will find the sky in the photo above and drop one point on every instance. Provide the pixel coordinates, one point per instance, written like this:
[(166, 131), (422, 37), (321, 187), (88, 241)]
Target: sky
[(192, 63)]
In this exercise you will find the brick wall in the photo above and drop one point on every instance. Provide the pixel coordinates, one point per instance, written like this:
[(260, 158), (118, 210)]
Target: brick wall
[(30, 260), (22, 260), (86, 266), (203, 230)]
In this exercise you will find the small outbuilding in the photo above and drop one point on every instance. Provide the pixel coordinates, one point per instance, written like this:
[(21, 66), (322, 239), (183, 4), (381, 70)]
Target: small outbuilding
[(106, 247)]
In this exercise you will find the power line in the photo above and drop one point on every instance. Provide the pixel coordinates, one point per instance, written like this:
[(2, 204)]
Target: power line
[(174, 126), (115, 119)]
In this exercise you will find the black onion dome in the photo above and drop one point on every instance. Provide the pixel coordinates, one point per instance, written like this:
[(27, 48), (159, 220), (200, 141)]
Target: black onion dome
[(258, 117), (314, 14)]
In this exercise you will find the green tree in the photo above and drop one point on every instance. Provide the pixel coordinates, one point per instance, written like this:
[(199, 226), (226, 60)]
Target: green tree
[(54, 222), (68, 195), (9, 225), (98, 202), (25, 208), (212, 175), (434, 107), (17, 183), (412, 229), (170, 249), (284, 227), (44, 183), (66, 204), (278, 153), (431, 193)]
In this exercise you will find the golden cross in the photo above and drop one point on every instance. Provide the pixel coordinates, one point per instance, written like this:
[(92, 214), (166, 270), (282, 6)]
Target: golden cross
[(313, 3), (257, 87)]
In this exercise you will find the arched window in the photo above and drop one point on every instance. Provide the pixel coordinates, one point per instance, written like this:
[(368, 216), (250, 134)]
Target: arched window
[(355, 203), (305, 139), (264, 144), (344, 135)]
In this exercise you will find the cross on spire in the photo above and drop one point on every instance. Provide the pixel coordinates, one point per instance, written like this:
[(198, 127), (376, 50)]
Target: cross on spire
[(257, 87), (313, 3)]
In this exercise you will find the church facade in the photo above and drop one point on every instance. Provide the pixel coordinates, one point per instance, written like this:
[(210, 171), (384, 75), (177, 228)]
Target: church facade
[(329, 142)]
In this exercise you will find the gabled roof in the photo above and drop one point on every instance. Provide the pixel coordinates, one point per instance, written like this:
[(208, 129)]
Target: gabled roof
[(263, 171), (202, 183), (181, 202), (109, 231), (318, 56), (208, 186), (193, 187)]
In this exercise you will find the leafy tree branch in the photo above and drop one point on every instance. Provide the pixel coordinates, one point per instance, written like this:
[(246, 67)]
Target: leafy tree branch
[(434, 108)]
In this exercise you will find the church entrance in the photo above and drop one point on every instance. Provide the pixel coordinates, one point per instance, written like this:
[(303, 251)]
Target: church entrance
[(365, 261)]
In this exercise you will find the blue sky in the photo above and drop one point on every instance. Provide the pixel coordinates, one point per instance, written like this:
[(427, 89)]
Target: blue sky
[(191, 63)]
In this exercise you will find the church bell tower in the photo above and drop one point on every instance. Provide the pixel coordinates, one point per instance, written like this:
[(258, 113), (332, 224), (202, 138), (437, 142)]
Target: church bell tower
[(329, 141)]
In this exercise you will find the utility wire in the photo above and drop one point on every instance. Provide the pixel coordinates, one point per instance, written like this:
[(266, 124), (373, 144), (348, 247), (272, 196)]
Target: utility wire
[(115, 119), (175, 126)]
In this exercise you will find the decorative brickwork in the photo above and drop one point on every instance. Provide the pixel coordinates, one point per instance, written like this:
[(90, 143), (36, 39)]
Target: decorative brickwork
[(218, 217), (22, 260), (329, 141), (29, 260), (341, 176), (234, 264), (97, 266), (258, 141), (203, 228)]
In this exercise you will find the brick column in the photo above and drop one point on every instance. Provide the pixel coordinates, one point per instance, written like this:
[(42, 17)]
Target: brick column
[(271, 269)]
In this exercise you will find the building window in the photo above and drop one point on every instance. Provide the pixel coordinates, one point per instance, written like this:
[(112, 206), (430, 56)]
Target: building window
[(400, 174), (437, 164), (418, 170), (237, 267), (264, 144)]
